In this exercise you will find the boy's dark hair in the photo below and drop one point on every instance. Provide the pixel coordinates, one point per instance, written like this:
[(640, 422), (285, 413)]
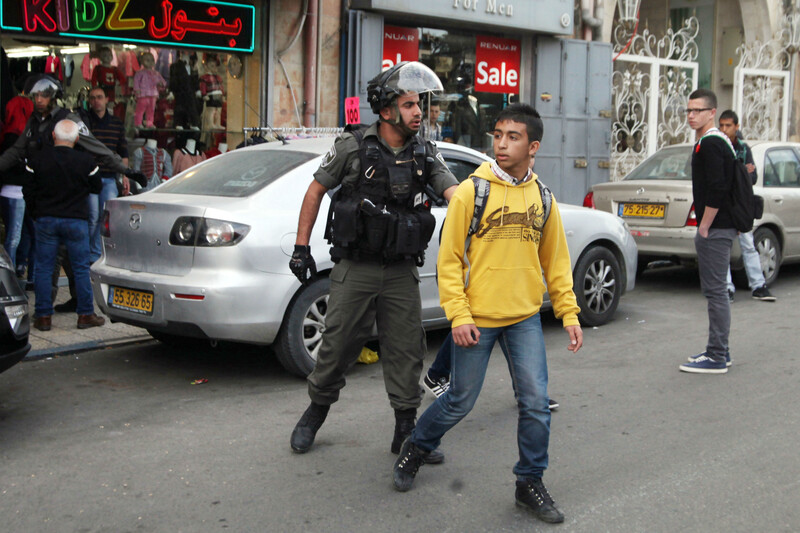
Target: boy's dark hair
[(730, 114), (524, 114), (707, 95)]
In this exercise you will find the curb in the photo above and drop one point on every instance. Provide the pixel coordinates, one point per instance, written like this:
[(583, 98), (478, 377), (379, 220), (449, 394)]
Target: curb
[(35, 355)]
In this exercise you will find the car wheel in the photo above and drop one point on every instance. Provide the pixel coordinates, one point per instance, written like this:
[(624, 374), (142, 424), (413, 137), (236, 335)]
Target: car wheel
[(769, 251), (597, 285), (300, 336)]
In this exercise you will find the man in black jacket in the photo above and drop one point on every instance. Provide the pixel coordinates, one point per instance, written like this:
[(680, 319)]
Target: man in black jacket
[(713, 160), (57, 194)]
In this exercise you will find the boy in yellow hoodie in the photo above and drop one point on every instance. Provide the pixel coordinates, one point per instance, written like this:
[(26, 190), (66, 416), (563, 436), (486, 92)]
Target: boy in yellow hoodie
[(492, 291)]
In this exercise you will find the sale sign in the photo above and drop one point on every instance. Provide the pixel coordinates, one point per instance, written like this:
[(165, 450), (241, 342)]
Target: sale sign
[(399, 44), (352, 115), (497, 65)]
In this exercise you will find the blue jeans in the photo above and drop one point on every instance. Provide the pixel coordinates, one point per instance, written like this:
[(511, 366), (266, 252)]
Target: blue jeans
[(440, 368), (523, 346), (74, 234), (752, 263), (97, 203), (13, 212)]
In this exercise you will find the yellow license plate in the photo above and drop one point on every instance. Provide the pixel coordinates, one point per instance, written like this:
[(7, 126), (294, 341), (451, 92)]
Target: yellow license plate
[(131, 300), (642, 210)]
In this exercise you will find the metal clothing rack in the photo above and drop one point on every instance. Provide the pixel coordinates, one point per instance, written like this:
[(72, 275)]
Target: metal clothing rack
[(271, 133)]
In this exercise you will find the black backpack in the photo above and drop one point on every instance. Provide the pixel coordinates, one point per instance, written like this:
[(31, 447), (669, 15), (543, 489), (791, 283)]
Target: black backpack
[(743, 206)]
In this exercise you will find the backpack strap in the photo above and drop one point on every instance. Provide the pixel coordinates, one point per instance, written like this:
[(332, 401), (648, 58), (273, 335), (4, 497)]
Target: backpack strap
[(547, 200), (482, 187)]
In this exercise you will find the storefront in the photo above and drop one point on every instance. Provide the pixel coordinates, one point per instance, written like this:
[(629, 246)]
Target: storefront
[(480, 49), (172, 70)]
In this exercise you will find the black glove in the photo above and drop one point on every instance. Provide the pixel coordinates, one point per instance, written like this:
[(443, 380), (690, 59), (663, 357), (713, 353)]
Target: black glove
[(302, 264), (138, 177)]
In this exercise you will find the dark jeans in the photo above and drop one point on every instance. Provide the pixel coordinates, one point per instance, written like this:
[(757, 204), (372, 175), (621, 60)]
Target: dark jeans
[(74, 233), (441, 365), (713, 260)]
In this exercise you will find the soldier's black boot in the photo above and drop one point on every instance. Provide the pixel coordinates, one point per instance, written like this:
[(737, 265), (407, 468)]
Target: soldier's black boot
[(405, 422), (306, 429)]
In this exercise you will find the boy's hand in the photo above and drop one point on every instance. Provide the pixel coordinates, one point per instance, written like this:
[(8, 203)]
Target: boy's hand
[(466, 335), (575, 338)]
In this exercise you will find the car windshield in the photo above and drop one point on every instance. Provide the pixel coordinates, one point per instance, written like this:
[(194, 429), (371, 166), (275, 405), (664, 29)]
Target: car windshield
[(667, 164), (237, 175)]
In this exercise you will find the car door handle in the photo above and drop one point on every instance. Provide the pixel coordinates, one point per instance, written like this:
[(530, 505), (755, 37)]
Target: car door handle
[(777, 199)]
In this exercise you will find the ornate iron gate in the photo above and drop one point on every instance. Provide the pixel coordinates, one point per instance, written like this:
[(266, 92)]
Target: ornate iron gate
[(652, 81)]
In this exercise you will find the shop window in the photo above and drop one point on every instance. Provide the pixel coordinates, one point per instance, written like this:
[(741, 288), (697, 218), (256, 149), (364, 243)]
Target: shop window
[(467, 112)]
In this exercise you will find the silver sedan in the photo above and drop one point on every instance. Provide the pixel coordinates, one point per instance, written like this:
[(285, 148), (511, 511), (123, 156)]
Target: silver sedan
[(206, 254), (656, 201)]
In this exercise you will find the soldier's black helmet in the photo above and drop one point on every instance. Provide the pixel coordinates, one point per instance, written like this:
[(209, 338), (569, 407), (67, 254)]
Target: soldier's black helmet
[(403, 78), (43, 84)]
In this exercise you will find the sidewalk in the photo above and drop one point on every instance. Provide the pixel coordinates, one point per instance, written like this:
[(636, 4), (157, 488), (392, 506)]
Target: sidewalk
[(65, 338)]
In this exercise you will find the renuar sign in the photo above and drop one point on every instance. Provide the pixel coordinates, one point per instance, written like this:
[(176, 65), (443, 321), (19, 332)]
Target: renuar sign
[(399, 44), (192, 23), (497, 65)]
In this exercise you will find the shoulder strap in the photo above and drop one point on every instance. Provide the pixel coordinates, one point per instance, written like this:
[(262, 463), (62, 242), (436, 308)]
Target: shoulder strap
[(482, 187), (547, 200)]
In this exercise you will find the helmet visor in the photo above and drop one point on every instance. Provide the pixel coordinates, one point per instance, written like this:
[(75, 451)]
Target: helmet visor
[(414, 77), (44, 87)]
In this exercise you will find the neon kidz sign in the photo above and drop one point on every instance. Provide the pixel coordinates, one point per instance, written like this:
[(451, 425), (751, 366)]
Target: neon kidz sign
[(191, 23)]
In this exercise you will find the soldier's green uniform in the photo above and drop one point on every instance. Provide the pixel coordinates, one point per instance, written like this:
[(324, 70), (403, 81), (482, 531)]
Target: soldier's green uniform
[(363, 292)]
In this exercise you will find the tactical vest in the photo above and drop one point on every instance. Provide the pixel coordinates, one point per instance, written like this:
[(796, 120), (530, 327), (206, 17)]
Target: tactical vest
[(40, 134), (385, 216)]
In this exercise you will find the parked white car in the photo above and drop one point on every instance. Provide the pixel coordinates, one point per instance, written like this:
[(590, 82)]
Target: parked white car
[(206, 254)]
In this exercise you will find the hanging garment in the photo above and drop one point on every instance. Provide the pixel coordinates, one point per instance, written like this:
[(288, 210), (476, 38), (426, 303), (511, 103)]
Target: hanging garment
[(183, 160)]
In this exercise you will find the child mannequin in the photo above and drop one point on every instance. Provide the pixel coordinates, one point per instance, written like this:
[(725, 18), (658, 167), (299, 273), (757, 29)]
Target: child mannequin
[(211, 89), (153, 162), (146, 85), (107, 76), (187, 157)]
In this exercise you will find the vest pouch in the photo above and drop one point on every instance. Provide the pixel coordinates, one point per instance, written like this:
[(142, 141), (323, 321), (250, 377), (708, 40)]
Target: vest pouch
[(407, 236), (400, 180), (344, 226), (376, 230)]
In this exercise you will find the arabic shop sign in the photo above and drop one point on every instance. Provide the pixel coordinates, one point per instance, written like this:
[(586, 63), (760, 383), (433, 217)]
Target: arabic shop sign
[(191, 23)]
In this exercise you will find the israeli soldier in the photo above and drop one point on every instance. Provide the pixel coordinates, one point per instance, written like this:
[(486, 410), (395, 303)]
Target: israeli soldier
[(45, 90), (380, 225)]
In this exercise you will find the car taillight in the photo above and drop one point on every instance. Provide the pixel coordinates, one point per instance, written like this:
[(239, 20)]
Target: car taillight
[(588, 200), (206, 232), (691, 220), (105, 230)]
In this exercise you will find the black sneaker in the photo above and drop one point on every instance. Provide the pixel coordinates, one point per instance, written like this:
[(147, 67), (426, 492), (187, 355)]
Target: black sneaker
[(532, 496), (70, 306), (763, 294), (437, 387), (306, 429), (553, 404), (730, 296), (407, 464), (402, 429)]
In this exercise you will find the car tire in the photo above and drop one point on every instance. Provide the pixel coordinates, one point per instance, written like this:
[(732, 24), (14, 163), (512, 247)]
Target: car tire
[(597, 285), (300, 336), (769, 251)]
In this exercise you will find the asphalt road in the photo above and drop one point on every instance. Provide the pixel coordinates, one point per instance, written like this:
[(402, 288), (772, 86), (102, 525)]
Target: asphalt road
[(120, 440)]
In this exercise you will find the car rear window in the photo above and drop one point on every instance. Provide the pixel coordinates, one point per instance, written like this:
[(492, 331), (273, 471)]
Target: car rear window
[(238, 174), (666, 164)]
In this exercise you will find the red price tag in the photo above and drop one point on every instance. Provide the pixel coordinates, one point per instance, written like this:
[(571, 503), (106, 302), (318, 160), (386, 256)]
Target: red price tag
[(352, 115)]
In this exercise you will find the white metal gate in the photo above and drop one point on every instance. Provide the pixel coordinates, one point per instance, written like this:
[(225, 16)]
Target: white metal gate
[(652, 81), (762, 88)]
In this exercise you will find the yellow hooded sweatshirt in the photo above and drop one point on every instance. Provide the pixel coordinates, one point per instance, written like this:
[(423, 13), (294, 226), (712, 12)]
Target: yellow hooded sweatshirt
[(499, 282)]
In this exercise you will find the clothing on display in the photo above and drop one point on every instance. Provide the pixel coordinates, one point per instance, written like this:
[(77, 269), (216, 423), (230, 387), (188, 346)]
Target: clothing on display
[(54, 67), (184, 85), (108, 77), (154, 163), (146, 86), (184, 159)]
